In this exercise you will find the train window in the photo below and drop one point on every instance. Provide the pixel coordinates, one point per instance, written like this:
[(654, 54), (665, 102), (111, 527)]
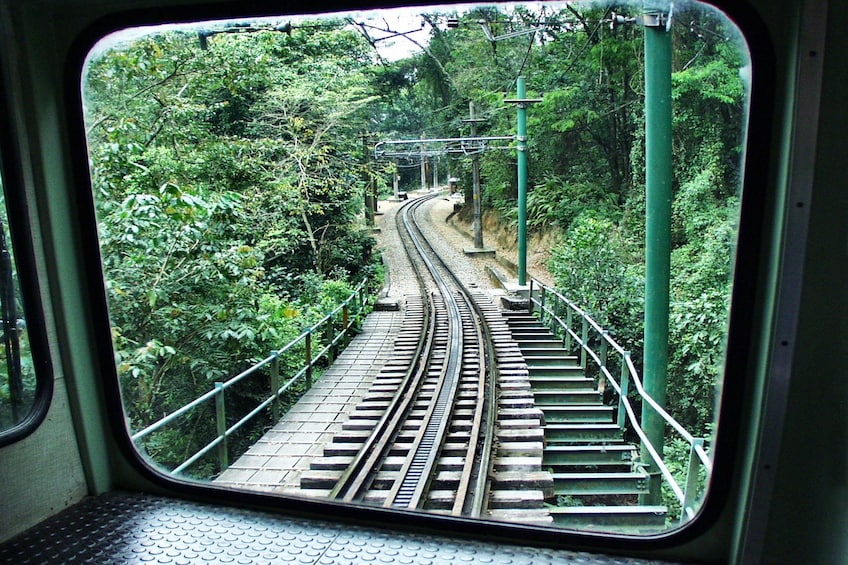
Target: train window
[(24, 391), (253, 178)]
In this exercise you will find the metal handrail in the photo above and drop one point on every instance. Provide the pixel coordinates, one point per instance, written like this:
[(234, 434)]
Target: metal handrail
[(311, 360), (628, 374)]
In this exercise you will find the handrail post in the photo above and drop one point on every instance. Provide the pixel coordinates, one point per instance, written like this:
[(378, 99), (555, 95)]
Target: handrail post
[(345, 316), (308, 360), (530, 297), (357, 311), (542, 305), (691, 493), (602, 378), (275, 386), (625, 386), (569, 318), (556, 326), (585, 339), (221, 421), (330, 332)]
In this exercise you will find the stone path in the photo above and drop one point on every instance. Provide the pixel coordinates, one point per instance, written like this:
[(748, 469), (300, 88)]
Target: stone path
[(276, 461)]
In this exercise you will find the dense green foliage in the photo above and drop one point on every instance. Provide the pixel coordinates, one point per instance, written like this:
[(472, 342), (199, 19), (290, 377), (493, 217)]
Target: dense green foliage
[(229, 179), (586, 141), (225, 215)]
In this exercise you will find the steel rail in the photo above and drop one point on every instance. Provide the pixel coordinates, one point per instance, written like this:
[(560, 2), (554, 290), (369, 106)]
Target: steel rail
[(474, 466), (468, 470), (358, 475), (408, 491), (409, 488), (487, 398)]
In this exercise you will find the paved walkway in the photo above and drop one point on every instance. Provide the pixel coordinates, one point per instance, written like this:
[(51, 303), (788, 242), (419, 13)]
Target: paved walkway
[(276, 461)]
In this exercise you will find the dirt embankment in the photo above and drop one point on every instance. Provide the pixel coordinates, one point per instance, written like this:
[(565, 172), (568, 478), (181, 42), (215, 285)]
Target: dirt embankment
[(505, 242)]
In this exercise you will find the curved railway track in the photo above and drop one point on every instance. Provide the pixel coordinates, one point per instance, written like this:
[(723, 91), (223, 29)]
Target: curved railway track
[(424, 436)]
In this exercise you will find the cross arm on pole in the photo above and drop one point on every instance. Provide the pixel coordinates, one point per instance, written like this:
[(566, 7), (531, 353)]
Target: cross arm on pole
[(522, 102), (463, 145)]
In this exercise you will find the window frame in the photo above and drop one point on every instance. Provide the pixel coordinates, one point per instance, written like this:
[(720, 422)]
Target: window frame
[(744, 328), (18, 221)]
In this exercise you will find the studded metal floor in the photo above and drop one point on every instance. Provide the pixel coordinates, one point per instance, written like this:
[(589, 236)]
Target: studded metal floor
[(137, 528)]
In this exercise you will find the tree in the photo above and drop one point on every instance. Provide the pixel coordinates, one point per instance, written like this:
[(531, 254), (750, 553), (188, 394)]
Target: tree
[(222, 200)]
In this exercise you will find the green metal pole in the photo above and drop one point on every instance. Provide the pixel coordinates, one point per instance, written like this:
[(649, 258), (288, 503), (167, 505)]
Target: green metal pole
[(221, 424), (621, 418), (658, 179), (308, 360), (275, 387), (522, 183), (366, 169)]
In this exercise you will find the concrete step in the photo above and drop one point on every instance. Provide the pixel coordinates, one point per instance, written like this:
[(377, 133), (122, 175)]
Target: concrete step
[(570, 382), (524, 322), (568, 433), (516, 402), (509, 435), (516, 499), (351, 436), (516, 464), (543, 360), (578, 413), (528, 423), (604, 517), (529, 333), (520, 449), (341, 449), (517, 480), (539, 516), (520, 414), (577, 484), (588, 455), (313, 479), (541, 352), (554, 397), (331, 463), (555, 370), (548, 342)]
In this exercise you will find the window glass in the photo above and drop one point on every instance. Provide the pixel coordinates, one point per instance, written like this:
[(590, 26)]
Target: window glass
[(18, 382), (248, 175)]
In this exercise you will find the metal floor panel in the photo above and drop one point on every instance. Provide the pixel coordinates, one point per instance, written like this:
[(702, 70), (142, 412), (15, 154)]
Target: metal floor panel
[(140, 528)]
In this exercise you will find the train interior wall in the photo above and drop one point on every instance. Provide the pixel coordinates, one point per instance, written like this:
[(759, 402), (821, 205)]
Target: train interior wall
[(71, 454), (43, 473), (809, 513)]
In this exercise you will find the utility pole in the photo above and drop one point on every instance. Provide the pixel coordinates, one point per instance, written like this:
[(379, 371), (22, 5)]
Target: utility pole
[(658, 178), (475, 176), (366, 168), (522, 102), (435, 172)]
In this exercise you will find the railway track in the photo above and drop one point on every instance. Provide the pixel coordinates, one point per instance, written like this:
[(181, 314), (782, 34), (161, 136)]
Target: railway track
[(430, 433)]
